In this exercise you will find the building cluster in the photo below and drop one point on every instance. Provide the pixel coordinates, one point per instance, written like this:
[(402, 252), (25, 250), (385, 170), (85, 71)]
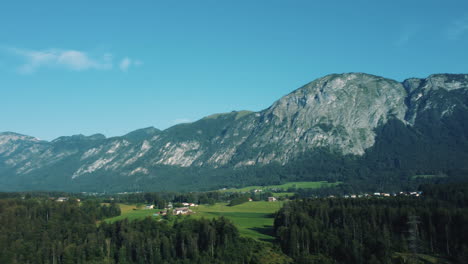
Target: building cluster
[(181, 211), (272, 199), (380, 194), (189, 204), (175, 211), (63, 199)]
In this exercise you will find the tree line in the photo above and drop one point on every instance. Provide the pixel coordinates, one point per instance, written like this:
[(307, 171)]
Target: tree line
[(377, 230), (44, 231)]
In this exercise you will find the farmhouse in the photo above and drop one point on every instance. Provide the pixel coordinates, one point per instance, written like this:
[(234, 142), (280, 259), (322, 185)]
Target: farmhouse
[(149, 206), (62, 199), (271, 199), (181, 211)]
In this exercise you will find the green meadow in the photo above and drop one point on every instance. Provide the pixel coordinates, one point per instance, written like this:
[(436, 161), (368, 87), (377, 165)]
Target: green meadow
[(419, 258), (428, 176), (285, 187), (131, 212), (253, 219)]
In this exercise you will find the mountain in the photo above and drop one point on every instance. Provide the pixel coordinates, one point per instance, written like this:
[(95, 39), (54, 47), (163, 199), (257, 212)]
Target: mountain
[(354, 127)]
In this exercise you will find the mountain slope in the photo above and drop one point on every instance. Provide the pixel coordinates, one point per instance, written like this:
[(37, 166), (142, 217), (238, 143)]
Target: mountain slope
[(341, 126)]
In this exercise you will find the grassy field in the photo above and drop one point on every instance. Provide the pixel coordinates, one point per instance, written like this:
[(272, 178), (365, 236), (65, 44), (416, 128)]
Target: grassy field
[(419, 258), (427, 176), (286, 186), (131, 212), (253, 219), (283, 194)]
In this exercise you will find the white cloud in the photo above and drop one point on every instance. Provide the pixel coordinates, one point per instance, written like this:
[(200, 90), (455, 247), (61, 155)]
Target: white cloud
[(70, 59), (458, 28), (127, 62), (73, 60)]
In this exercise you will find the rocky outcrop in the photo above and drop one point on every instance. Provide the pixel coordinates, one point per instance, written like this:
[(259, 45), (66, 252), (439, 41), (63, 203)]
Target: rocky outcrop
[(338, 112)]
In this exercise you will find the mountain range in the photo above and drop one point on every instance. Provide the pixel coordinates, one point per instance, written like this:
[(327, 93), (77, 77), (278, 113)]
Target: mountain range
[(356, 128)]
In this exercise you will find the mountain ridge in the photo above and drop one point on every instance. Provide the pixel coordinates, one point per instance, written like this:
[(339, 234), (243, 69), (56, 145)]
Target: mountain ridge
[(339, 114)]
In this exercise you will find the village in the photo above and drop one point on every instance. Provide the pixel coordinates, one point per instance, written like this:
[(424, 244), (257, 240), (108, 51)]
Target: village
[(378, 194), (184, 208)]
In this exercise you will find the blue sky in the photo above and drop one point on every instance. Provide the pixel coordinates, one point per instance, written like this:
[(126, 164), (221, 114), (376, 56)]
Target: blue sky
[(115, 66)]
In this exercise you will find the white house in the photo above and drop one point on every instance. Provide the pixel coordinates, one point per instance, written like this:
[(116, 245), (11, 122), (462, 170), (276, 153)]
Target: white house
[(62, 199), (181, 211)]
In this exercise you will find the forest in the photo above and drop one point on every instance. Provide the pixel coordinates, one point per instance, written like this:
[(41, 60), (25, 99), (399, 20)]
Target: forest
[(42, 231), (377, 230), (402, 229)]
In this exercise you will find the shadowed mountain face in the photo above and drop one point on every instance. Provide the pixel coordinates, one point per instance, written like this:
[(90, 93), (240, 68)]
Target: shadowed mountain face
[(341, 126)]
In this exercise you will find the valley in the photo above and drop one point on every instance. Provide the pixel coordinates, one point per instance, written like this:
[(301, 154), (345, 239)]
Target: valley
[(234, 132)]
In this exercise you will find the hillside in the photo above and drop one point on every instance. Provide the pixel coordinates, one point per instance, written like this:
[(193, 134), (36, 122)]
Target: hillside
[(355, 127)]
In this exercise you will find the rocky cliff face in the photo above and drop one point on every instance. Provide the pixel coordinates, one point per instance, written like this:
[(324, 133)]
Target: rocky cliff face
[(339, 112), (439, 92)]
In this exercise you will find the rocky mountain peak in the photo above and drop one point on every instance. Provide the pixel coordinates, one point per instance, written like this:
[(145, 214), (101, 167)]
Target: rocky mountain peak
[(142, 133), (445, 81), (448, 81), (79, 137), (339, 111), (97, 136), (11, 136)]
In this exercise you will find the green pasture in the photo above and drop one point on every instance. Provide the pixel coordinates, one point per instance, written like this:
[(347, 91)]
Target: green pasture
[(253, 219), (283, 194), (419, 258), (131, 212), (428, 176), (286, 186)]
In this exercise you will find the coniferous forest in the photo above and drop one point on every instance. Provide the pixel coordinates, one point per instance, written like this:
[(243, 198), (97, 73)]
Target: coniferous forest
[(377, 230), (43, 231), (431, 228)]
